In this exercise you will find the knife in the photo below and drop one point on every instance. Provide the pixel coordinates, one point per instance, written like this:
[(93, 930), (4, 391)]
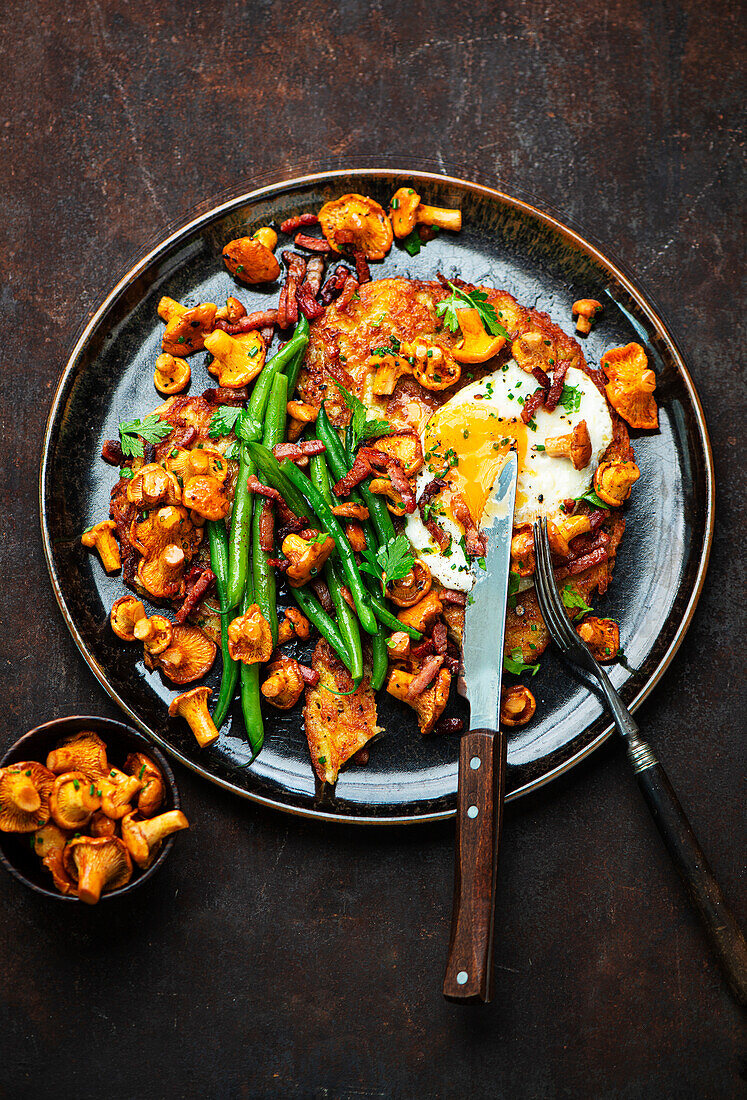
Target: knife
[(482, 757)]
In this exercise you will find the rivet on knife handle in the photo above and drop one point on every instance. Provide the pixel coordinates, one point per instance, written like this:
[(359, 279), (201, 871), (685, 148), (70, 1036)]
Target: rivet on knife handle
[(482, 772)]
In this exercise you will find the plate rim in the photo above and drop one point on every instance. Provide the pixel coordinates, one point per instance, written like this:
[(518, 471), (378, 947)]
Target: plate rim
[(150, 253)]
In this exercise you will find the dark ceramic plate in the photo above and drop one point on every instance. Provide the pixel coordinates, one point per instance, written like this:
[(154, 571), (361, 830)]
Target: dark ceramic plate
[(506, 243)]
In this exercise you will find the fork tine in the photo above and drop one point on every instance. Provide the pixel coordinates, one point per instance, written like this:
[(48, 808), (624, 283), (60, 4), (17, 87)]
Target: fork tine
[(549, 599)]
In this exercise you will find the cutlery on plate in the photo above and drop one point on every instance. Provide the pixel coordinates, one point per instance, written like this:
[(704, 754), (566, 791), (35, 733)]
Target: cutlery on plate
[(705, 893), (482, 756)]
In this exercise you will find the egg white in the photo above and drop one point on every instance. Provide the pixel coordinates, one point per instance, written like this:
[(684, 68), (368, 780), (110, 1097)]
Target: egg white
[(543, 481)]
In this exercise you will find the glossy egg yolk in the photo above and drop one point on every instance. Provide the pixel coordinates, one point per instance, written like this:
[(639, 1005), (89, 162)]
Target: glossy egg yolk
[(466, 444)]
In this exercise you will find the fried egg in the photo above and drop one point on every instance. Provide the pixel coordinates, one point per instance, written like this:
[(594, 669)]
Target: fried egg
[(465, 440)]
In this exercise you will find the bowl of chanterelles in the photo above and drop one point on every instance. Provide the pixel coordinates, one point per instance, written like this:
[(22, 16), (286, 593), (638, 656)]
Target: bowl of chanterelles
[(88, 809)]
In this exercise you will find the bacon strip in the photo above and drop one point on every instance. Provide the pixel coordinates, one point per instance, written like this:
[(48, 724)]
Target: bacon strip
[(112, 452), (261, 319), (322, 594), (475, 539), (556, 389), (287, 517), (308, 304), (580, 564), (425, 676), (449, 595), (315, 273), (334, 284), (401, 483), (221, 395), (349, 290), (339, 373), (290, 225), (123, 513), (314, 244), (431, 490), (288, 307), (197, 582), (448, 725), (309, 675), (535, 401), (298, 452), (362, 269), (541, 377), (267, 526), (440, 638)]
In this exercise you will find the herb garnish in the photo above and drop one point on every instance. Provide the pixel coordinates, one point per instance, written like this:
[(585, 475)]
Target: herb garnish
[(570, 398), (591, 498), (151, 428), (389, 563), (516, 664), (477, 299), (361, 426), (572, 598)]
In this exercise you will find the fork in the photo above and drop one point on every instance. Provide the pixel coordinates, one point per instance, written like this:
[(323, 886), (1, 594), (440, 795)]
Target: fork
[(705, 893)]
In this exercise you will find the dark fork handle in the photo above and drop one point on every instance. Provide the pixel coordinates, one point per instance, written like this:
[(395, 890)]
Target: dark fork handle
[(482, 783), (722, 929)]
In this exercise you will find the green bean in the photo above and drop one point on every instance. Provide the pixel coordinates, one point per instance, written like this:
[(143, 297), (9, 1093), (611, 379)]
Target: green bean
[(263, 574), (376, 504), (250, 695), (294, 366), (331, 525), (345, 615), (324, 623), (219, 564), (380, 655), (280, 360), (338, 464)]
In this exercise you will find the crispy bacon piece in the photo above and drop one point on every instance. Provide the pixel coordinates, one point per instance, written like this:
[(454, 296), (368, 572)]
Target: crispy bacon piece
[(362, 269), (422, 650), (308, 304), (278, 563), (288, 306), (475, 539), (448, 725), (290, 225), (401, 483), (149, 452), (541, 377), (197, 581), (322, 594), (580, 564), (348, 292), (221, 395), (369, 461), (350, 511), (267, 526), (425, 676), (339, 373), (449, 595), (315, 273), (359, 471), (298, 452), (556, 389), (334, 284), (431, 490), (440, 638), (267, 335), (314, 244), (112, 452), (356, 536), (288, 518), (261, 319), (535, 401), (310, 675), (123, 513)]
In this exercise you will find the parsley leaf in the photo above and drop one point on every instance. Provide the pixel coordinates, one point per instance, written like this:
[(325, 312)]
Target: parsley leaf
[(513, 588), (572, 598), (151, 428), (224, 420), (515, 664), (570, 398), (413, 243), (478, 300), (389, 563), (591, 498), (362, 427)]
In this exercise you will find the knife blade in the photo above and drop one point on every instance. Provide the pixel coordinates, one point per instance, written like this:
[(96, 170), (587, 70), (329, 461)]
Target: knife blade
[(482, 755)]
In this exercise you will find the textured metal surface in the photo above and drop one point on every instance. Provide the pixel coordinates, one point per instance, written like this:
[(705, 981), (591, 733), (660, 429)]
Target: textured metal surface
[(274, 957)]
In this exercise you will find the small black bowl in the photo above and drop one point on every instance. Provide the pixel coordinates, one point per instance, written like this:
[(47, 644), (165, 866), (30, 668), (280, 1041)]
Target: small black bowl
[(15, 852)]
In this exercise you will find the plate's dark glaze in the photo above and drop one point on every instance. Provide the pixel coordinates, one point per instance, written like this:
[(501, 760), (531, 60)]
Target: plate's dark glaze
[(15, 853), (506, 243)]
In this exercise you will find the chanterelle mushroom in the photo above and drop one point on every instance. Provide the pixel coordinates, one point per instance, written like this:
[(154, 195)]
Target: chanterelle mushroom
[(534, 349), (356, 223), (24, 796), (250, 637), (237, 360), (434, 368), (614, 480), (585, 310), (153, 485), (185, 332), (97, 864), (602, 637), (153, 789), (251, 259), (75, 796), (192, 707), (206, 497), (517, 706), (83, 752), (284, 685), (117, 793), (630, 387), (430, 704), (125, 613), (576, 446), (171, 375), (189, 657), (156, 633), (49, 845), (306, 558), (406, 211), (101, 539), (476, 345), (143, 837)]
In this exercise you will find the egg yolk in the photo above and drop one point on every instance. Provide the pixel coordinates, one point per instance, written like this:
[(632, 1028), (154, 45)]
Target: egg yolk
[(466, 445)]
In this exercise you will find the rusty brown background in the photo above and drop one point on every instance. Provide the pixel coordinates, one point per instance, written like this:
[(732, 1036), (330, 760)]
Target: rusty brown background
[(276, 958)]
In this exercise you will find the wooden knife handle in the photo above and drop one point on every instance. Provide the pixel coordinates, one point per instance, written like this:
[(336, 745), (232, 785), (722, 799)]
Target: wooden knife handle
[(482, 782)]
